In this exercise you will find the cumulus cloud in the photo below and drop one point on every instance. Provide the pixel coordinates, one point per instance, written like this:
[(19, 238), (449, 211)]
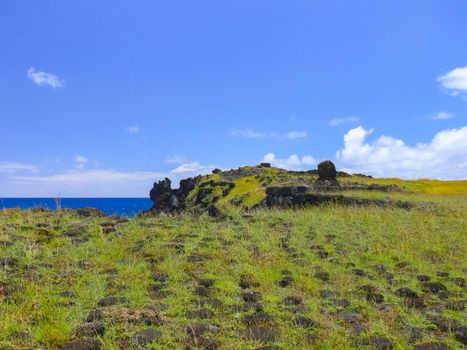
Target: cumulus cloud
[(443, 116), (293, 162), (80, 161), (390, 157), (12, 167), (345, 120), (252, 134), (133, 129), (455, 81), (44, 79)]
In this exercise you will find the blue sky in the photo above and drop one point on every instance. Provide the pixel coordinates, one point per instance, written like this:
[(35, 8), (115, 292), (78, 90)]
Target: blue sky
[(101, 98)]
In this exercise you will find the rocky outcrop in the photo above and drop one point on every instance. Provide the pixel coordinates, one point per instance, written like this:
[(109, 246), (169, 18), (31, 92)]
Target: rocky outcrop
[(168, 200), (298, 196)]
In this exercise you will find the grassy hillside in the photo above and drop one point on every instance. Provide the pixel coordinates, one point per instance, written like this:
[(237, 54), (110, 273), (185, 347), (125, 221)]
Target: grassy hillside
[(324, 277)]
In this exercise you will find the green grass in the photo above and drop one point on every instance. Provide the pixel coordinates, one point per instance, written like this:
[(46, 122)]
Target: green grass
[(260, 244)]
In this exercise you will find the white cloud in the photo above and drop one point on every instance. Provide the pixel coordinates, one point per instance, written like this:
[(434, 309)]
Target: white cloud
[(345, 120), (455, 81), (12, 167), (80, 161), (44, 79), (176, 159), (252, 134), (293, 162), (443, 116), (193, 168), (133, 129), (292, 135), (84, 183), (390, 157)]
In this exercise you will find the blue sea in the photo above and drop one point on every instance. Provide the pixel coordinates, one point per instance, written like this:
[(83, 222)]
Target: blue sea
[(129, 207)]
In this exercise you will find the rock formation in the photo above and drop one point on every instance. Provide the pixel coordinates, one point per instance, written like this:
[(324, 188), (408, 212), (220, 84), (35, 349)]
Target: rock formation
[(167, 200), (327, 177)]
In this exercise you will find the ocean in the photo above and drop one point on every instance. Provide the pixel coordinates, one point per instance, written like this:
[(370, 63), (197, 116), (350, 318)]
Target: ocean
[(129, 207)]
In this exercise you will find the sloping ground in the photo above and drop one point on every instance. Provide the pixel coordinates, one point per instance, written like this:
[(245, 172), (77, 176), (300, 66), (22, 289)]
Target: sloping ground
[(247, 187), (328, 277)]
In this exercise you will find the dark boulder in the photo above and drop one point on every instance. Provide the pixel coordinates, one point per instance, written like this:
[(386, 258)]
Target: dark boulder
[(327, 170)]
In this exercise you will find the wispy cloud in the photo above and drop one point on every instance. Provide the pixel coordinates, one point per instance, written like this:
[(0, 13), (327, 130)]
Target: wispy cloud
[(443, 116), (80, 161), (292, 162), (133, 129), (390, 157), (344, 120), (252, 134), (194, 167), (176, 159), (12, 167), (455, 81), (292, 135), (44, 79)]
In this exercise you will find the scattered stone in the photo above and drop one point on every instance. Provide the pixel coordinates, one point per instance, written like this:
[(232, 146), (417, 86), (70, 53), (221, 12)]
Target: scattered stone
[(202, 291), (147, 336), (95, 315), (416, 303), (434, 287), (286, 281), (456, 305), (442, 274), (406, 293), (385, 308), (160, 277), (380, 268), (251, 296), (458, 281), (342, 303), (270, 347), (259, 318), (199, 328), (460, 333), (380, 343), (262, 334), (201, 313), (403, 264), (8, 262), (206, 282), (83, 344), (247, 283), (90, 329), (376, 298), (293, 300), (113, 300), (348, 317), (359, 272), (303, 322), (327, 294), (423, 278), (445, 324), (432, 346)]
